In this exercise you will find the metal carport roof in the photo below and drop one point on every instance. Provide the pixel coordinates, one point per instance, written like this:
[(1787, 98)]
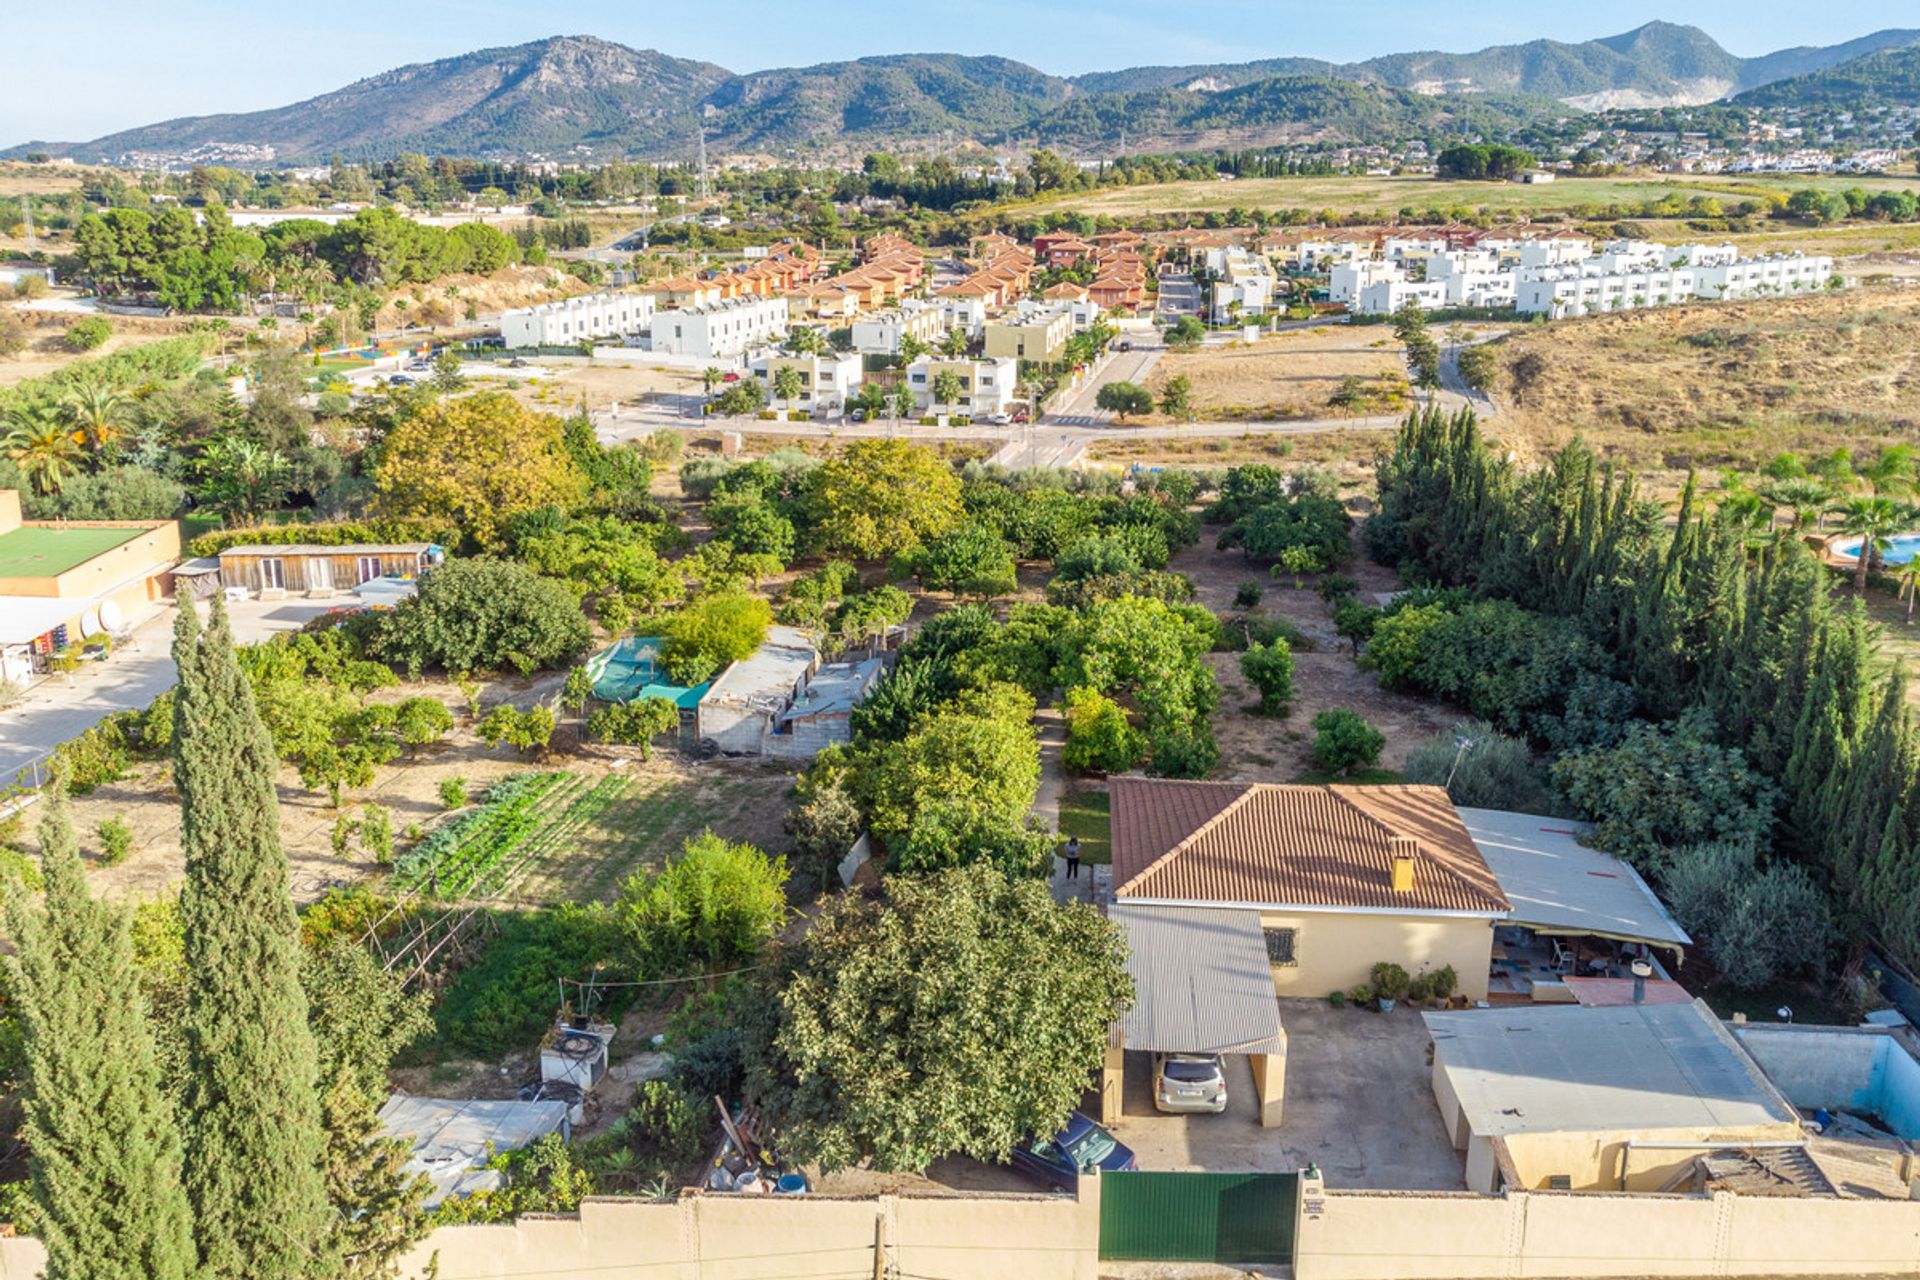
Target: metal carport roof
[(1558, 885), (1201, 980)]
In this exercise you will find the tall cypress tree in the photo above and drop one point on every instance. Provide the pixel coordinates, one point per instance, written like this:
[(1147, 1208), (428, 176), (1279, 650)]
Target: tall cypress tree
[(252, 1119), (105, 1163)]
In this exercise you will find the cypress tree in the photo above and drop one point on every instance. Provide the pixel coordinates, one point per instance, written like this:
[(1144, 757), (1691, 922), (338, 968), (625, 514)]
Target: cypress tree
[(252, 1116), (105, 1164)]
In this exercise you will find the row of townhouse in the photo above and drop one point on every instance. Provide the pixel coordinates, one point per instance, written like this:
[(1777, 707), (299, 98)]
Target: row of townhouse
[(1599, 286), (980, 387), (826, 381), (720, 330), (884, 332), (571, 321), (1029, 331)]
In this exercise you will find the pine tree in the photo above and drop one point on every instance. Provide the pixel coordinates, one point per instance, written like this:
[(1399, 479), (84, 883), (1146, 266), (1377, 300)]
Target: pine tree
[(105, 1163), (252, 1115)]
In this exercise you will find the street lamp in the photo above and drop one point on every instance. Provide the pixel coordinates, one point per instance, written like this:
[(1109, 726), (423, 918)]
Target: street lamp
[(1461, 745)]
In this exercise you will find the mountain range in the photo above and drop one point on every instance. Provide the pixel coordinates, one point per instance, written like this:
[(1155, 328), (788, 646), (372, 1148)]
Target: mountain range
[(552, 96)]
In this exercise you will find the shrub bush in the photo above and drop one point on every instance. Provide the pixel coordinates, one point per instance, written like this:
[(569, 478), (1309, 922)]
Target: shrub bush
[(1269, 669), (1100, 738), (484, 615), (505, 1000), (1759, 925), (89, 334), (1496, 772), (634, 724), (1247, 595), (453, 792), (116, 840), (711, 908), (1344, 742)]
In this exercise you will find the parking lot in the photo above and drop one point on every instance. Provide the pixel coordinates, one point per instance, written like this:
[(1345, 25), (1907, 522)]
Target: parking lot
[(1359, 1104)]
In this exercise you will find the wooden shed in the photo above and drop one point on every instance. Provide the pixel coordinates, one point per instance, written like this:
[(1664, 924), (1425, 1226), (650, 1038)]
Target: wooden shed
[(273, 573)]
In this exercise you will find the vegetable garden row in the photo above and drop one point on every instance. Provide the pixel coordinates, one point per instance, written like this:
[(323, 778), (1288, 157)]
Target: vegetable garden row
[(522, 820)]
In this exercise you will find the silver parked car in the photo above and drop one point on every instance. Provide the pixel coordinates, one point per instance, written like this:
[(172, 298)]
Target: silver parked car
[(1189, 1082)]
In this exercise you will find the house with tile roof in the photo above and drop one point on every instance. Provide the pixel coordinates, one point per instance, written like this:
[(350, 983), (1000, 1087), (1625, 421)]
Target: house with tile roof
[(1339, 877)]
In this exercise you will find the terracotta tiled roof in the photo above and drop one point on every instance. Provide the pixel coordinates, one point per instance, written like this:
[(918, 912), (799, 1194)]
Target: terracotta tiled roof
[(1294, 845)]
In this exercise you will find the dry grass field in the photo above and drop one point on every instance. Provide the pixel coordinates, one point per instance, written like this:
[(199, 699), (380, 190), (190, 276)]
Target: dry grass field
[(1718, 385), (1291, 374), (1389, 195)]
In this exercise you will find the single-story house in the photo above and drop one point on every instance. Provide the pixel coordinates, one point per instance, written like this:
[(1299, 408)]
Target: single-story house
[(275, 572), (67, 582), (821, 713), (1338, 877), (740, 710)]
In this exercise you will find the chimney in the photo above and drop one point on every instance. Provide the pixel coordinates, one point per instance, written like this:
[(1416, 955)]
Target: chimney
[(1405, 849)]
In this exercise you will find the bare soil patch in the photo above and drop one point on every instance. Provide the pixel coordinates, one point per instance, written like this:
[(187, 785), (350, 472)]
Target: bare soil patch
[(1290, 374)]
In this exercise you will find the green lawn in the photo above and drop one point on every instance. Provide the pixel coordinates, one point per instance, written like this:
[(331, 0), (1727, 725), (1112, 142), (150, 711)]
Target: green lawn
[(1084, 813)]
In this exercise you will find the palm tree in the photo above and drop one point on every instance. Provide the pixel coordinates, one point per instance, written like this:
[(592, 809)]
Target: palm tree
[(1806, 497), (946, 388), (711, 377), (97, 410), (41, 444), (786, 384), (1908, 575), (1874, 520), (1891, 472)]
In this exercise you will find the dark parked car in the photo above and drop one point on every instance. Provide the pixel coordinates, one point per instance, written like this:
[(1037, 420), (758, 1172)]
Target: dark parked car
[(1080, 1145)]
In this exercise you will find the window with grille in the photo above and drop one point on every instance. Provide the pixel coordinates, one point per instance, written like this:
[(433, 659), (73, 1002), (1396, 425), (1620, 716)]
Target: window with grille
[(1280, 946)]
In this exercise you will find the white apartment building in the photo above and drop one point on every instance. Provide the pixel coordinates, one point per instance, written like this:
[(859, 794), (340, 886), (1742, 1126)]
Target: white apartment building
[(571, 321), (1600, 285), (969, 315), (1243, 278), (721, 330), (987, 386), (1347, 279), (1384, 297), (1553, 251), (1316, 255), (825, 380), (881, 333)]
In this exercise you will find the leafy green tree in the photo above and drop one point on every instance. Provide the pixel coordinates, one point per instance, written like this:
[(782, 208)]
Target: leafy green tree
[(1666, 786), (1124, 398), (524, 731), (968, 560), (987, 1001), (977, 749), (420, 721), (1269, 669), (1343, 742), (252, 1116), (712, 632), (1481, 768), (954, 834), (483, 615), (635, 723), (1186, 332), (880, 497), (904, 405), (105, 1169), (1100, 738), (712, 908), (1756, 925), (1176, 398)]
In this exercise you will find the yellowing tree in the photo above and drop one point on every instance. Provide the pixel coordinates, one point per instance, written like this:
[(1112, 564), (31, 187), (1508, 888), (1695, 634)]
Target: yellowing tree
[(476, 462), (882, 497)]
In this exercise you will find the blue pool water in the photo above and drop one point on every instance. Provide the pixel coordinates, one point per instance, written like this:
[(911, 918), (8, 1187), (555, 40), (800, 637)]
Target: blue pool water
[(1899, 550)]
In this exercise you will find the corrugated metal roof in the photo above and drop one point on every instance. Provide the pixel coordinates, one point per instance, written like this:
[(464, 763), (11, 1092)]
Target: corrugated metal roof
[(1294, 846), (835, 689), (1201, 981), (1557, 884), (1570, 1068), (453, 1139), (770, 674), (344, 549)]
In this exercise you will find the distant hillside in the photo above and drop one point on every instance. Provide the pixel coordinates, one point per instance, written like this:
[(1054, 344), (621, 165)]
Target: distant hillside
[(554, 95), (544, 96), (916, 96), (1890, 78), (1283, 109)]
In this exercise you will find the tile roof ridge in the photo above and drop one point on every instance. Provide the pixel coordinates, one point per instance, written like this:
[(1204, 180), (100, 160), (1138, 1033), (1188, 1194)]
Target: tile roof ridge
[(1246, 790)]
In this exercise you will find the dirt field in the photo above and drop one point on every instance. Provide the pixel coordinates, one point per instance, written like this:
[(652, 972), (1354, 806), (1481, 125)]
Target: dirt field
[(657, 806), (1349, 453), (601, 386), (46, 353), (1718, 385), (1291, 374), (1256, 748)]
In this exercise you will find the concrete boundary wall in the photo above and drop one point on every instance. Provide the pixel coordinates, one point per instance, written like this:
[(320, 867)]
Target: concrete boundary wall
[(1533, 1235)]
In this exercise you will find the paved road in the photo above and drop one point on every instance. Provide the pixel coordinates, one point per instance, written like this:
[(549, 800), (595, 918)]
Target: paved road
[(1179, 296), (57, 709), (1077, 409)]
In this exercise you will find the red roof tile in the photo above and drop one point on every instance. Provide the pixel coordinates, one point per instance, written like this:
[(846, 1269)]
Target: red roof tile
[(1294, 845)]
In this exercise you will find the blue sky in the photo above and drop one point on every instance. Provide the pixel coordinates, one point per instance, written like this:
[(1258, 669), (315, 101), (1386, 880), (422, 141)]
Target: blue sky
[(76, 70)]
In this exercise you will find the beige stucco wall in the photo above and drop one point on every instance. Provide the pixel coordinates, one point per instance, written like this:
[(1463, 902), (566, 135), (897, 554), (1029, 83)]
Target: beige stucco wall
[(1336, 951), (1029, 341), (158, 544), (1347, 1235), (706, 1237), (1594, 1161)]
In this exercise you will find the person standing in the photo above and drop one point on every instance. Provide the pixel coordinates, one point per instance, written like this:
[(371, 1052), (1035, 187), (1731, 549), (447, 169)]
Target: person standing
[(1073, 857)]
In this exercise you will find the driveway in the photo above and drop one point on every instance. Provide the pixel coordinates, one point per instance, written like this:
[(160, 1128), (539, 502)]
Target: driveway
[(1359, 1104), (61, 708)]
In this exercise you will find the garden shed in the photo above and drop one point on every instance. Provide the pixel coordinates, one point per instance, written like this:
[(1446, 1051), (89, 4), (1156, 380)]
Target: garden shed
[(821, 714), (738, 714)]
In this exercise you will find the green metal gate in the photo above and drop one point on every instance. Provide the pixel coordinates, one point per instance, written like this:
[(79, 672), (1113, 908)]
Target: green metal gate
[(1198, 1217)]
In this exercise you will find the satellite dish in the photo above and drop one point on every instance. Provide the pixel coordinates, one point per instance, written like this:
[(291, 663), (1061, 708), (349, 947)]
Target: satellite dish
[(111, 618), (90, 623)]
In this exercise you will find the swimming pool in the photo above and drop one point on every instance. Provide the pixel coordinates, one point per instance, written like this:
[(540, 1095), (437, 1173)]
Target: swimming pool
[(1899, 550)]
